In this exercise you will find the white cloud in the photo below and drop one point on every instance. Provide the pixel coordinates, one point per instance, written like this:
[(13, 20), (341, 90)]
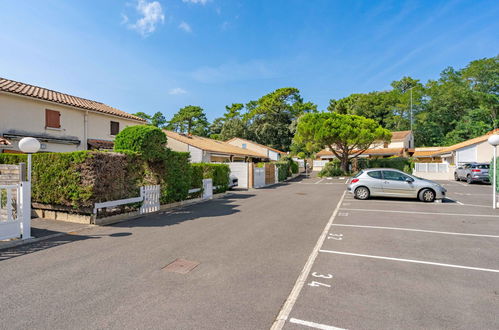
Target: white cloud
[(202, 2), (177, 91), (184, 26), (152, 14)]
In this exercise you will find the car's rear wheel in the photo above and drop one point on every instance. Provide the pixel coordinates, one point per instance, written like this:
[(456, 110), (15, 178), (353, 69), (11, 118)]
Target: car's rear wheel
[(362, 193), (468, 179), (456, 177), (427, 195)]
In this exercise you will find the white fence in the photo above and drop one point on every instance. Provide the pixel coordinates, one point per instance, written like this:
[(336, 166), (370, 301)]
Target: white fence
[(319, 164), (431, 167), (149, 196)]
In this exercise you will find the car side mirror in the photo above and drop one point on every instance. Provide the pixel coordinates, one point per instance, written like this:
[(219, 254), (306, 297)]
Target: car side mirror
[(409, 180)]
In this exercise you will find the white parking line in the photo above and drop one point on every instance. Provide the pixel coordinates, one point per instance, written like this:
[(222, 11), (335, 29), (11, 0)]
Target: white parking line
[(320, 181), (416, 230), (411, 261), (426, 213), (295, 292), (314, 325)]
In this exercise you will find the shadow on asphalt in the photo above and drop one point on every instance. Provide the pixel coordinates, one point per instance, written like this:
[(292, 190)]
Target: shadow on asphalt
[(215, 208), (392, 199)]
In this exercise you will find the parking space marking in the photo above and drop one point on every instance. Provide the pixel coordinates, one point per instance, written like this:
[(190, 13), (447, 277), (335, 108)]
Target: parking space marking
[(320, 181), (425, 213), (313, 324), (416, 230), (411, 261), (302, 278)]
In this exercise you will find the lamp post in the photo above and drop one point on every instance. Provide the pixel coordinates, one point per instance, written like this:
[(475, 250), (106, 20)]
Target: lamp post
[(494, 141), (29, 146)]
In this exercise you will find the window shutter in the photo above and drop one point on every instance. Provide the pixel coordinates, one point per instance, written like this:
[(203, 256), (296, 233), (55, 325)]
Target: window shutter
[(115, 128), (52, 118)]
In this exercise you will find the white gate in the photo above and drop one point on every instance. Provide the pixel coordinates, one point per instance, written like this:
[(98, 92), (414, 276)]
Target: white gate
[(151, 198), (240, 171), (14, 223), (259, 177)]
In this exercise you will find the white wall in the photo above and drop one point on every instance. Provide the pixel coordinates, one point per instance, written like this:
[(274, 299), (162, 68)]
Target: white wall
[(240, 170), (196, 154), (273, 155), (467, 154)]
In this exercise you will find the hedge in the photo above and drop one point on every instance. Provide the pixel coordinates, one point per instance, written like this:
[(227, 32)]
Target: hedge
[(80, 179), (283, 170), (147, 140), (219, 173), (399, 163)]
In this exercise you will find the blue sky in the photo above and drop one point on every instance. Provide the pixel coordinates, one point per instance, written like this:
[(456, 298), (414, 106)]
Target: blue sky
[(143, 55)]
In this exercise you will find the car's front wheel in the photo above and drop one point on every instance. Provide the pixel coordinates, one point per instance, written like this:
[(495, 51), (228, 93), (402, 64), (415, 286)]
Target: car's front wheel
[(362, 193), (427, 195)]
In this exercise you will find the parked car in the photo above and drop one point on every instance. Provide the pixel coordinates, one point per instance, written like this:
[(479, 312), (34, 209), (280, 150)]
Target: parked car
[(389, 182), (473, 172), (233, 181)]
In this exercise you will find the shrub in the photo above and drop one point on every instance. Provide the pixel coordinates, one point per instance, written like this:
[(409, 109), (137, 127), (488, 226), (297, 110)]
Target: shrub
[(331, 169), (283, 170), (147, 140), (399, 163), (196, 179), (219, 173), (294, 167), (177, 176)]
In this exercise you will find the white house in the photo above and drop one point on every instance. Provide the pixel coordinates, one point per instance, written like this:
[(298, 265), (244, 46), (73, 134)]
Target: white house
[(272, 154), (60, 121)]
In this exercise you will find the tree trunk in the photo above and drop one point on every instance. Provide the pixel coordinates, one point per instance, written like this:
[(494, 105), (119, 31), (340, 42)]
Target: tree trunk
[(344, 163)]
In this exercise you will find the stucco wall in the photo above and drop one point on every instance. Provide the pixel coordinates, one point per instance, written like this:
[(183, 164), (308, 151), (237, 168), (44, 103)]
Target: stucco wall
[(26, 116), (485, 152), (250, 146), (176, 145)]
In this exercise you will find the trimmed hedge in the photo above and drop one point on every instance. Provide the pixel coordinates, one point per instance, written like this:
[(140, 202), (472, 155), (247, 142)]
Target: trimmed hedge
[(80, 179), (283, 170), (147, 140), (399, 163), (219, 173)]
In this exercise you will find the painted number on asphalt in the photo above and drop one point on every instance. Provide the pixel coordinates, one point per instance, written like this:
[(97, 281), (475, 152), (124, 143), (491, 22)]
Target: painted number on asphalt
[(314, 283), (314, 274), (337, 237)]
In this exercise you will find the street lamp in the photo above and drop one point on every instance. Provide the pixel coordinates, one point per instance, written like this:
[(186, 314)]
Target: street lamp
[(494, 141), (29, 146)]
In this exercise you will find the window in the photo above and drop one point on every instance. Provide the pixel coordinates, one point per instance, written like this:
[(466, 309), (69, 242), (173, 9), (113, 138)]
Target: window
[(375, 174), (115, 128), (396, 176), (244, 145), (482, 166), (52, 119)]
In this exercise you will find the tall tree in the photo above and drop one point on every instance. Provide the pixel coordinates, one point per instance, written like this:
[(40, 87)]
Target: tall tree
[(271, 119), (347, 136), (158, 120), (143, 115), (191, 120)]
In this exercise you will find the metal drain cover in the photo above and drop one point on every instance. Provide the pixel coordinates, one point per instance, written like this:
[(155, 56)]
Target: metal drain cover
[(181, 266), (301, 193)]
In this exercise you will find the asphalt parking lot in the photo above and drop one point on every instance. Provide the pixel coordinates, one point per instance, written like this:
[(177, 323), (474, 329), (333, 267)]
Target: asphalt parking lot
[(392, 264)]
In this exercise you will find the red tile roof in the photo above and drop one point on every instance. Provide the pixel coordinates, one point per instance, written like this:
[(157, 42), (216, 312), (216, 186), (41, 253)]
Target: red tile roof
[(15, 87), (258, 144), (400, 135), (100, 144), (4, 142)]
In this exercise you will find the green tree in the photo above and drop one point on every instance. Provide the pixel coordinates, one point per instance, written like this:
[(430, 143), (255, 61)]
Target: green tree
[(143, 115), (271, 120), (158, 120), (347, 136), (191, 120)]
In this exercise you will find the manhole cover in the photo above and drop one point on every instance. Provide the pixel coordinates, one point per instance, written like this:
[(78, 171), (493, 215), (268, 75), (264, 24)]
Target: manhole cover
[(181, 266), (301, 193)]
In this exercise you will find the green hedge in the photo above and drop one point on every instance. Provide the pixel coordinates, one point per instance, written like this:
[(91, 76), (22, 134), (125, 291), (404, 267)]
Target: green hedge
[(196, 179), (283, 170), (80, 179), (399, 163), (147, 140), (219, 173)]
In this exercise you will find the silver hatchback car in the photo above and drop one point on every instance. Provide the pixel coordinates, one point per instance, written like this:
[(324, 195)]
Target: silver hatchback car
[(389, 182)]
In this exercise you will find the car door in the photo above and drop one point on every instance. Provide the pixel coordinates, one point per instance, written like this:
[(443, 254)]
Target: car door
[(396, 183), (375, 183)]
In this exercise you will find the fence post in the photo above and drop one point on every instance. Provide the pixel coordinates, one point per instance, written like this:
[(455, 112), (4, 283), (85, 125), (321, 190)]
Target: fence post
[(25, 201), (207, 189)]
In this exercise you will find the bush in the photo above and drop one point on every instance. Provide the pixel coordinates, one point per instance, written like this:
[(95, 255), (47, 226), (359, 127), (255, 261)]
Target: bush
[(196, 179), (147, 140), (283, 170), (399, 163), (294, 167), (80, 179), (333, 168), (219, 173)]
